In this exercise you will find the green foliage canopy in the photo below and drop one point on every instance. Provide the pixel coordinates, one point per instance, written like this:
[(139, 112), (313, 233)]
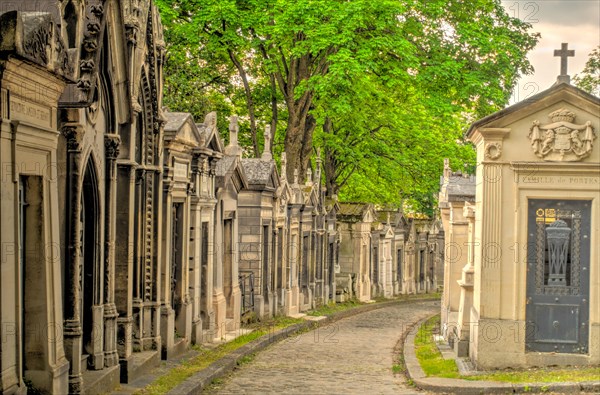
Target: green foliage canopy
[(589, 78), (384, 87)]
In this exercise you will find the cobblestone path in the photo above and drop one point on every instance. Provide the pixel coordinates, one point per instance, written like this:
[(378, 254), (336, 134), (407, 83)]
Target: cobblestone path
[(351, 356)]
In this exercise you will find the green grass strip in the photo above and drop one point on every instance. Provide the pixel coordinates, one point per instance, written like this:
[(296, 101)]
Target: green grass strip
[(434, 365), (428, 354), (542, 375)]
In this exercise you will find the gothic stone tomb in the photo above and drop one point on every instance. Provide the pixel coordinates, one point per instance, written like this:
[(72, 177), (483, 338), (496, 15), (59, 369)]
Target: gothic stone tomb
[(536, 295)]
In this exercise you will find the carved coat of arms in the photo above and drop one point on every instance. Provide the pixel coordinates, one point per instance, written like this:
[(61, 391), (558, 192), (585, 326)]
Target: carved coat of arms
[(562, 140)]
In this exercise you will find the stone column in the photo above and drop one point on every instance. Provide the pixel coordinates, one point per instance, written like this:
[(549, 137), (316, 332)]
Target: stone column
[(72, 327), (195, 278), (488, 251), (461, 346), (111, 357), (124, 284), (167, 314)]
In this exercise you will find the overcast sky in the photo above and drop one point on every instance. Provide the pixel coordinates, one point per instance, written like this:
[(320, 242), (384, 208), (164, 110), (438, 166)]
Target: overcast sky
[(558, 21)]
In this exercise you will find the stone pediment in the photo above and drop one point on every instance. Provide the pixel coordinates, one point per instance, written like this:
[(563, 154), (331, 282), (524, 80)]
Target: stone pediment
[(210, 132), (180, 128), (229, 171), (558, 93), (388, 232), (311, 196), (562, 139)]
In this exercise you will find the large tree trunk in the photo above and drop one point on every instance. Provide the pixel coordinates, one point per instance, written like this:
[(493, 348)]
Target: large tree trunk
[(298, 137), (249, 101), (329, 163)]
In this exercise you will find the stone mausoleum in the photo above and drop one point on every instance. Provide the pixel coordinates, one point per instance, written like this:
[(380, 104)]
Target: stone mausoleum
[(529, 291)]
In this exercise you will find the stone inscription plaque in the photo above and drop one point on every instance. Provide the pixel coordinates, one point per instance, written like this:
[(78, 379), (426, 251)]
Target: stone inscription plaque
[(21, 110)]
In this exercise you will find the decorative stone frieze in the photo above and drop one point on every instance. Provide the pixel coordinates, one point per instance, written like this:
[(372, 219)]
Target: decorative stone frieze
[(562, 139)]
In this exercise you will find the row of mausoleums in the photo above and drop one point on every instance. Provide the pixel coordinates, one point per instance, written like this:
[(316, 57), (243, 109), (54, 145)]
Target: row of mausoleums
[(385, 253), (522, 257), (130, 233)]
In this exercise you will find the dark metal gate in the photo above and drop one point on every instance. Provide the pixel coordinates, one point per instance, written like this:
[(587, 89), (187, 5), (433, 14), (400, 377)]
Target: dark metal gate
[(558, 280), (246, 281)]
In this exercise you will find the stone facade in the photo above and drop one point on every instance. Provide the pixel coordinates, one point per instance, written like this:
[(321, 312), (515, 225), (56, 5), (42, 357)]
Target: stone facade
[(529, 286), (129, 233)]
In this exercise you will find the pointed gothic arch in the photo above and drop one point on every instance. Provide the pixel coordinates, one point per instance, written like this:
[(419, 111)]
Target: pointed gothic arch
[(91, 273)]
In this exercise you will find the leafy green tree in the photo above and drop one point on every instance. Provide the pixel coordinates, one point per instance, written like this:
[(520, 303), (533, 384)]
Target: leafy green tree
[(384, 87), (589, 78)]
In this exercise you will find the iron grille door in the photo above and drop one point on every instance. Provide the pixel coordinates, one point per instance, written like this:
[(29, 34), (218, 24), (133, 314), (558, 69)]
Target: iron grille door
[(558, 257)]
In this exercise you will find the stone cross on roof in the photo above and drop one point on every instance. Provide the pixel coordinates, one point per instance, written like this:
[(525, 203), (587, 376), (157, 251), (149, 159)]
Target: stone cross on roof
[(267, 155), (233, 149), (283, 166), (564, 52)]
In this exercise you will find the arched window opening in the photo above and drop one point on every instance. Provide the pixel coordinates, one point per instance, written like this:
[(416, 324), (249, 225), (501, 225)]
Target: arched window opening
[(70, 17)]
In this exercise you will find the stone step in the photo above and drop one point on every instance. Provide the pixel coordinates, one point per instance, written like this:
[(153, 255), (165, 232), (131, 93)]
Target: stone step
[(84, 362), (231, 335), (314, 318), (298, 315), (139, 364), (101, 381)]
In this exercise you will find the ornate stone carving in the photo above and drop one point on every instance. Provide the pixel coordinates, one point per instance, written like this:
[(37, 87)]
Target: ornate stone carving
[(111, 146), (562, 140), (35, 36), (90, 45), (493, 150), (73, 137), (37, 41), (97, 10), (84, 84), (93, 28), (86, 65)]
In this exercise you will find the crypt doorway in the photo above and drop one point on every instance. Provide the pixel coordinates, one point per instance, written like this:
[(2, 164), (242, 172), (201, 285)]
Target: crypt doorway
[(90, 281), (558, 270)]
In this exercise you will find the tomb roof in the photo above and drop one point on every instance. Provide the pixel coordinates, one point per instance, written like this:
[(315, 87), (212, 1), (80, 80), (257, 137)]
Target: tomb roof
[(224, 165), (355, 212), (175, 120), (257, 170)]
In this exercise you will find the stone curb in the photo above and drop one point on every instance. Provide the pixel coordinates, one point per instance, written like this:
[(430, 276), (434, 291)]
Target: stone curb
[(196, 383), (443, 385)]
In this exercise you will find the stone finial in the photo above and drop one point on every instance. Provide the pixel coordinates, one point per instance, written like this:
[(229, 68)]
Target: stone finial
[(309, 176), (318, 167), (283, 166), (210, 120), (447, 169), (233, 149), (296, 177), (233, 130), (267, 155)]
